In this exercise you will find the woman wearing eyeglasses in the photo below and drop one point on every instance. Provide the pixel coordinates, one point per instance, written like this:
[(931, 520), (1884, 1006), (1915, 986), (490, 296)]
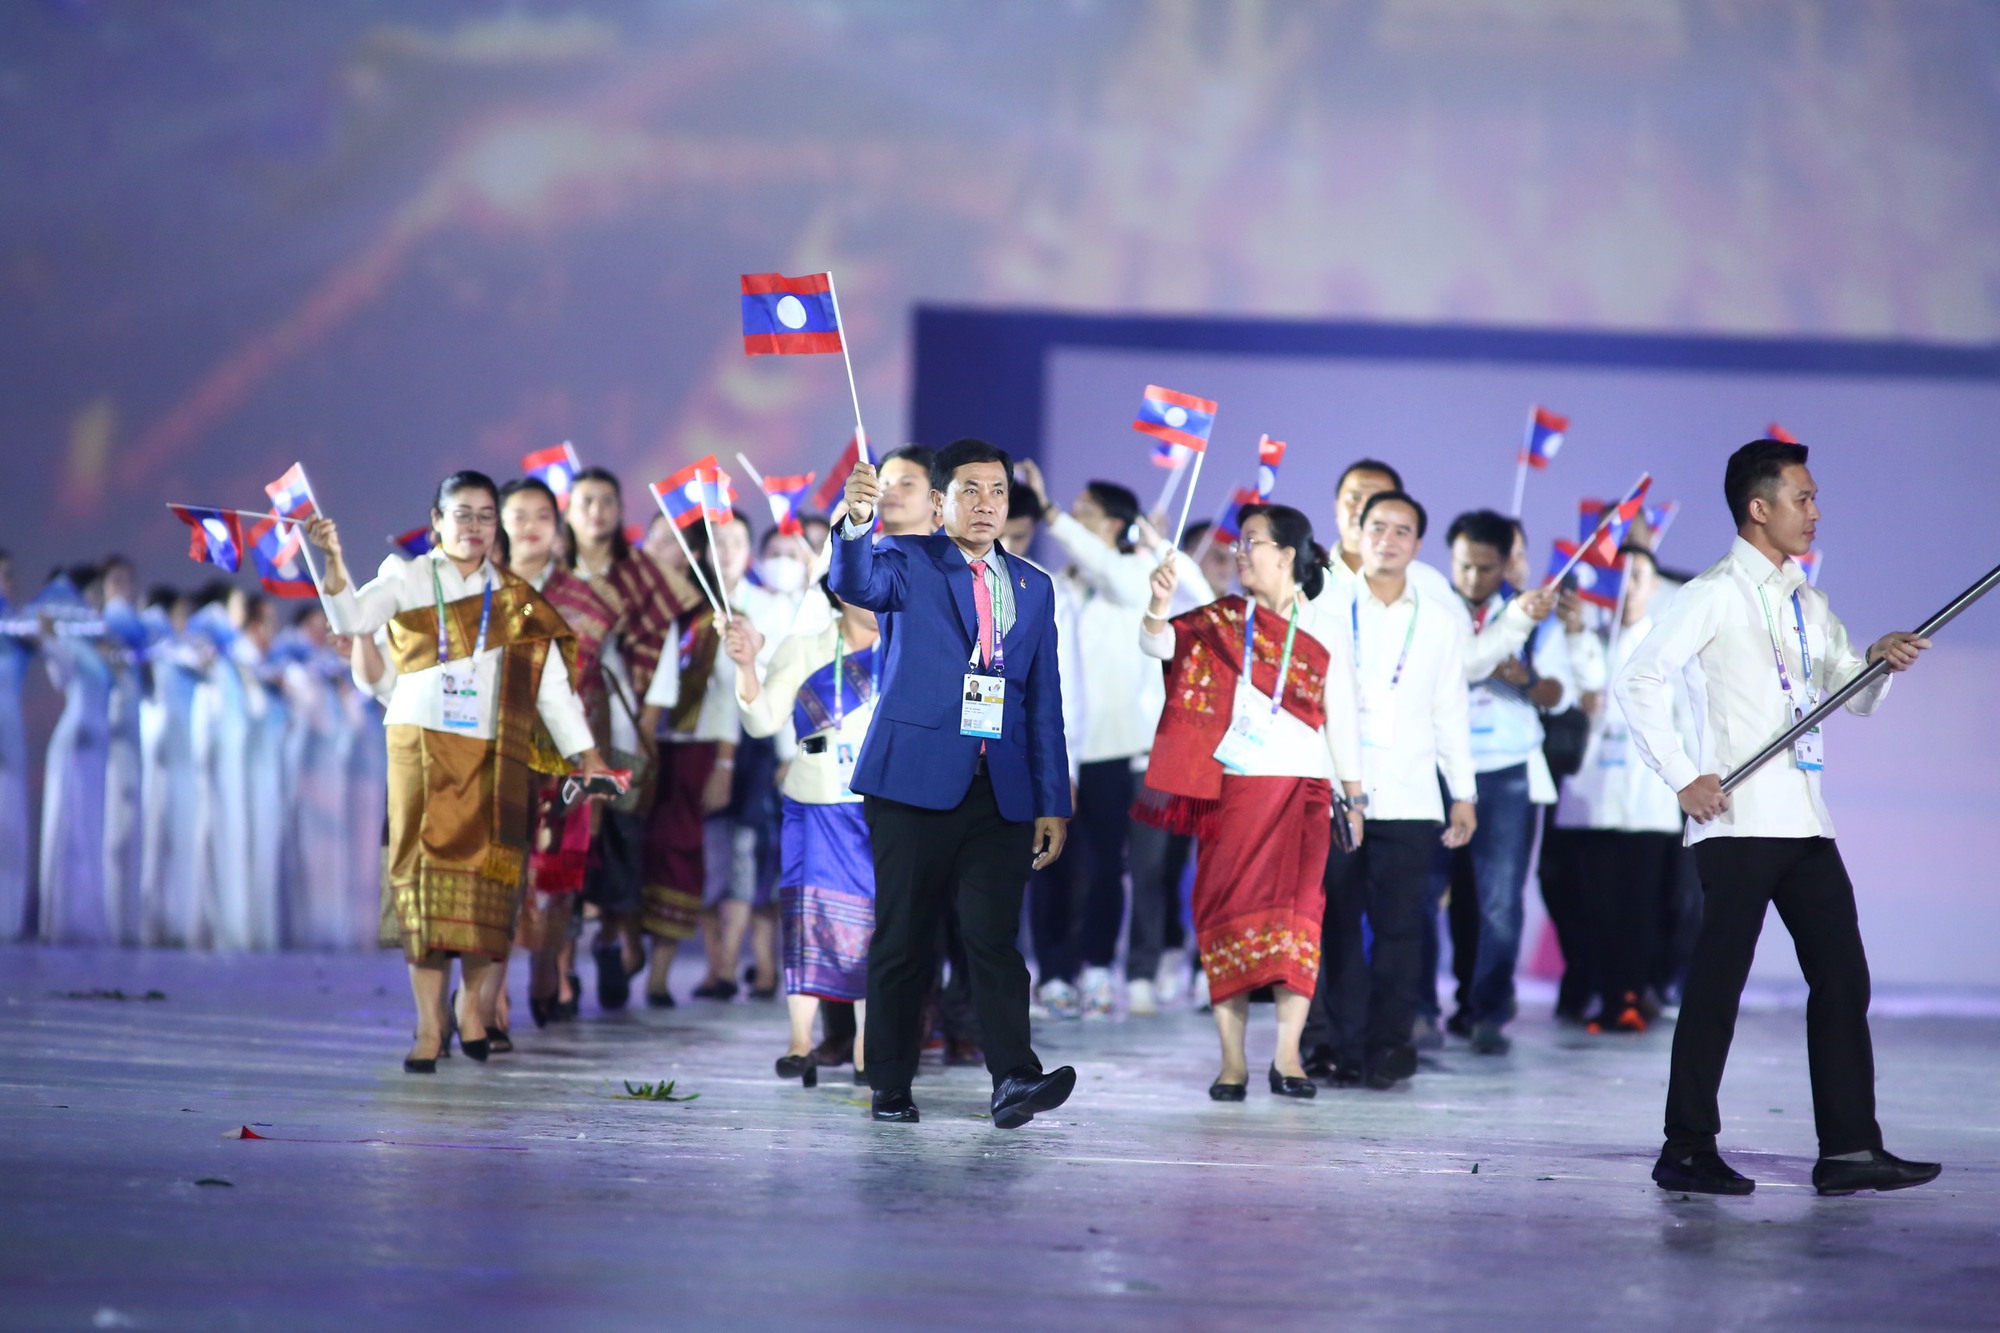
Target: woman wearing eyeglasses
[(1260, 720), (471, 644)]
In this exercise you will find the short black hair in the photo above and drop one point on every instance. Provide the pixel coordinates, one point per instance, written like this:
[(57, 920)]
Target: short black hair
[(922, 455), (1630, 549), (1487, 527), (1370, 465), (964, 453), (1023, 503), (1754, 470), (1120, 503), (1399, 497), (1191, 539)]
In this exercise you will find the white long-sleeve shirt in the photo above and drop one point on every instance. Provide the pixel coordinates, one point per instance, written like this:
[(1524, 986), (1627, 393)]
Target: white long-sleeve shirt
[(1613, 789), (1292, 749), (417, 699), (811, 778), (1419, 727), (1716, 634), (1506, 726)]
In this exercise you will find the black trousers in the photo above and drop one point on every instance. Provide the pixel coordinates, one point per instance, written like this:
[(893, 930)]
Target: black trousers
[(1158, 859), (1367, 999), (1562, 896), (1624, 880), (1078, 904), (970, 856), (1805, 879)]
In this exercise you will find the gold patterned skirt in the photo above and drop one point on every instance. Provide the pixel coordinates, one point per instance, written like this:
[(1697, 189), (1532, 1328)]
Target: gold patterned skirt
[(457, 882)]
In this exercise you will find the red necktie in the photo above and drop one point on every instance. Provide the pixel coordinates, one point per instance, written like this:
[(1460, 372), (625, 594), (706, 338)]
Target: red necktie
[(982, 607)]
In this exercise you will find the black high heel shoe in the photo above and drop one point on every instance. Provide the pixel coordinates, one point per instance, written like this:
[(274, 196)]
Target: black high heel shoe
[(1284, 1085), (565, 1010), (414, 1065), (800, 1067), (541, 1010), (477, 1049), (1219, 1091)]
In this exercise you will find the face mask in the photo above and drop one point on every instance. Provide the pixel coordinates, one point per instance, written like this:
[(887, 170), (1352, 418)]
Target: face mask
[(782, 573)]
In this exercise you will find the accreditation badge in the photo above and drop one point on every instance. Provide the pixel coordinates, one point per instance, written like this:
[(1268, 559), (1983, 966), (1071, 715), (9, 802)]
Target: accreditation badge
[(1808, 751), (1249, 732), (984, 702), (458, 696)]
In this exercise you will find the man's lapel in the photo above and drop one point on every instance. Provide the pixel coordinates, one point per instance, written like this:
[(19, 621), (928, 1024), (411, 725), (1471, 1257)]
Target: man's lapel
[(958, 577)]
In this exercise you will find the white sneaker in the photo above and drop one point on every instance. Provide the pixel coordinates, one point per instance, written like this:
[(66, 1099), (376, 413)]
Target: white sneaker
[(1171, 977), (1141, 1000), (1201, 1003), (1098, 1000), (1060, 999)]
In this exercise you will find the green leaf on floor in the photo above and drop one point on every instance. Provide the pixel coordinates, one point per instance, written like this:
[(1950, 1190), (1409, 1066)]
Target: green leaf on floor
[(653, 1092)]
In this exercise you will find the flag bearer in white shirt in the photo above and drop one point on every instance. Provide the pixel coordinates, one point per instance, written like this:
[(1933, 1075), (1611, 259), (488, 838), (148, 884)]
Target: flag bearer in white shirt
[(1760, 649), (1409, 649)]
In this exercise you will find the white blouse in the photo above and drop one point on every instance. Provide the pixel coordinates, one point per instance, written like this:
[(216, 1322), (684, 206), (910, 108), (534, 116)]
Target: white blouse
[(811, 779)]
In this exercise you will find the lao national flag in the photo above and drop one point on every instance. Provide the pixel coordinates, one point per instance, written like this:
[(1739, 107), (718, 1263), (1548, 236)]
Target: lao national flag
[(718, 492), (786, 494), (1660, 517), (1596, 580), (679, 496), (1776, 432), (556, 468), (1175, 419), (789, 316), (830, 490), (216, 537), (281, 563), (292, 494), (415, 542), (1170, 455), (1809, 562), (1229, 524), (1545, 437), (1270, 453)]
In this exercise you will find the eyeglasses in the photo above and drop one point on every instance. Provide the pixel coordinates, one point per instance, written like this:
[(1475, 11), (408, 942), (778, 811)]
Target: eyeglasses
[(474, 518), (1247, 546)]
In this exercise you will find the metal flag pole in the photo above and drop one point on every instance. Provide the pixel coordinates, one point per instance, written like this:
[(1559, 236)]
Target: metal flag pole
[(1861, 681), (860, 431)]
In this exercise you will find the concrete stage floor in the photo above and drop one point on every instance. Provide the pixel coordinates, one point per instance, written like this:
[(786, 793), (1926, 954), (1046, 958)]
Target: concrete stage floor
[(1491, 1194)]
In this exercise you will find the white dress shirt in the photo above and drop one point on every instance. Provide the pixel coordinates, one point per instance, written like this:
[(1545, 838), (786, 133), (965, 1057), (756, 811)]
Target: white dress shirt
[(1290, 748), (1429, 724), (1613, 789), (417, 699), (1506, 726), (718, 718), (1715, 632)]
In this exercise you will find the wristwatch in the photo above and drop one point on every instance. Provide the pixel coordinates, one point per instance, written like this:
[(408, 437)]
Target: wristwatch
[(1358, 802)]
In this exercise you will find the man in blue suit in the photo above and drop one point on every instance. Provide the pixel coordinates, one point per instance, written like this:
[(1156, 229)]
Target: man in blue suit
[(963, 798)]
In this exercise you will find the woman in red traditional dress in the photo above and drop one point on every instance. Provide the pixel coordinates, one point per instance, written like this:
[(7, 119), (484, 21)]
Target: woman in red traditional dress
[(1261, 718)]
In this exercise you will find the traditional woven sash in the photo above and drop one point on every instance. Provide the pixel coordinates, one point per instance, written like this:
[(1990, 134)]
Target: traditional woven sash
[(813, 709)]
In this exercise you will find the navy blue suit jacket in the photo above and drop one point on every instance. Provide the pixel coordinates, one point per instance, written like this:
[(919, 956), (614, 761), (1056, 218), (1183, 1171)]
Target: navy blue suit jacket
[(914, 752)]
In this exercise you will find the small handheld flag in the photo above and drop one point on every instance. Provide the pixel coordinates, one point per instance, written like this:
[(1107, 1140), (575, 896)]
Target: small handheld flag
[(1596, 580), (718, 492), (280, 563), (1176, 419), (1546, 431), (1270, 453), (1660, 517), (415, 542), (1774, 431), (1624, 511), (786, 494), (556, 468), (1229, 524), (680, 495), (292, 494), (1809, 562), (216, 536), (830, 490), (789, 316)]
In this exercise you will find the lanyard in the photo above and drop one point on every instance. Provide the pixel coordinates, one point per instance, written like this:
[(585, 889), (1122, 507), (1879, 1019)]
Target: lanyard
[(1805, 653), (485, 614), (1409, 634), (840, 676), (1284, 663)]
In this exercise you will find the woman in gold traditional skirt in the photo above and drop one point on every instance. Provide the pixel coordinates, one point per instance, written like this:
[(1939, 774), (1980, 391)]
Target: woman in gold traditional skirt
[(473, 716)]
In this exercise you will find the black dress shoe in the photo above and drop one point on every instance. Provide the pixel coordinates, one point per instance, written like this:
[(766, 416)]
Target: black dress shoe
[(800, 1067), (1699, 1173), (541, 1010), (614, 983), (722, 988), (893, 1105), (1883, 1171), (1219, 1091), (1320, 1062), (834, 1052), (660, 999), (1392, 1067), (1284, 1085), (1027, 1092)]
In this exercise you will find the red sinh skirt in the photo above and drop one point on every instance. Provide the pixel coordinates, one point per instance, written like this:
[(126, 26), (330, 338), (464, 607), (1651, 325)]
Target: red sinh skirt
[(1258, 899)]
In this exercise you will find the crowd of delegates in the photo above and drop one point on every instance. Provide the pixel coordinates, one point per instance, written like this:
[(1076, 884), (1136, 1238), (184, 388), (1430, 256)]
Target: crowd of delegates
[(1326, 762)]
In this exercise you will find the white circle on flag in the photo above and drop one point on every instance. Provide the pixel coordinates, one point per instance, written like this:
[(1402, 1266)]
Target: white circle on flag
[(692, 491), (215, 529), (1175, 416), (791, 312), (1267, 480), (1586, 577), (559, 481)]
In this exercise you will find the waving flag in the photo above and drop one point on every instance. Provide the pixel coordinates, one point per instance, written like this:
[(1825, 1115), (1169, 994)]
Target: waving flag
[(556, 468), (1229, 524), (281, 564), (830, 490), (789, 316), (1809, 562), (1545, 436), (1660, 517), (415, 542), (718, 491), (1270, 453), (679, 496), (292, 494), (1175, 419), (786, 494), (216, 537), (1595, 579), (1776, 432)]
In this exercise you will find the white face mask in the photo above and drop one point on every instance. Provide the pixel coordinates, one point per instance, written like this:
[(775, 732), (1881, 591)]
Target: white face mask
[(782, 573)]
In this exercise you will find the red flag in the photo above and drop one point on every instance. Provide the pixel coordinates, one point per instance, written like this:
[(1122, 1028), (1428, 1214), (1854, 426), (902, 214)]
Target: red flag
[(1776, 432), (830, 490)]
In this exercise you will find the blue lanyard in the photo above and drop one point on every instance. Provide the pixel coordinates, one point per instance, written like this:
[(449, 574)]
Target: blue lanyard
[(1409, 634), (485, 615), (1284, 663), (1805, 653)]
